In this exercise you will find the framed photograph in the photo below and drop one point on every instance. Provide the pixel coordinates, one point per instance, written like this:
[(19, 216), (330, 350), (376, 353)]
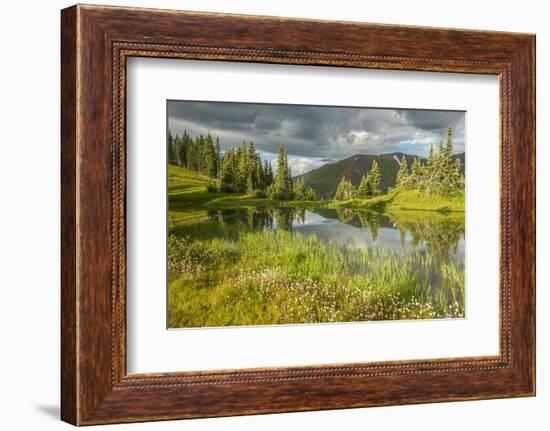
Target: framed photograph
[(264, 215)]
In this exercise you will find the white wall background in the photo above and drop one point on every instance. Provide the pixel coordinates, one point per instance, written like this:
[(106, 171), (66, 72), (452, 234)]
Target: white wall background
[(29, 227)]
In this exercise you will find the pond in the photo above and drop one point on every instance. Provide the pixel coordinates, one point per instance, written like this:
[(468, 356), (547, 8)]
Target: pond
[(266, 265), (440, 235)]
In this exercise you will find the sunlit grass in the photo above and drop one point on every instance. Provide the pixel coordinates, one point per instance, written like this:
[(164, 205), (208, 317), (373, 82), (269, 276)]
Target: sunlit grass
[(271, 277), (404, 199), (224, 274)]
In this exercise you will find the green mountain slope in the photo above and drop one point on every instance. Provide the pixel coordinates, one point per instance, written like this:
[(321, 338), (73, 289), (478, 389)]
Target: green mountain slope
[(326, 178)]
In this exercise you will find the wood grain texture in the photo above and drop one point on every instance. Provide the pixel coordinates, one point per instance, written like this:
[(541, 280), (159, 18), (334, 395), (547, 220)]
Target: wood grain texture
[(96, 41), (69, 397)]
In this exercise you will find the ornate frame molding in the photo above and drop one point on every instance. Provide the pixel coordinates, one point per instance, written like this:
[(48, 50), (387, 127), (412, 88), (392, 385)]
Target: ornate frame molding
[(96, 41)]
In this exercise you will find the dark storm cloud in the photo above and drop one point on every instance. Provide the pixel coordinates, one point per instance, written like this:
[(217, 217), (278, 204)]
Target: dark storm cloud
[(313, 134), (436, 120)]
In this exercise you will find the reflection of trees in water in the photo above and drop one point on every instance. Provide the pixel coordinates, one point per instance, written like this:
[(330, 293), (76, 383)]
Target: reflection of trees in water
[(439, 233), (285, 217), (371, 221), (364, 219), (300, 215), (345, 215), (246, 217), (260, 218), (439, 237)]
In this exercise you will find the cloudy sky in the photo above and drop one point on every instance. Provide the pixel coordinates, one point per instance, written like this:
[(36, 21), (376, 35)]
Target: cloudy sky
[(315, 135)]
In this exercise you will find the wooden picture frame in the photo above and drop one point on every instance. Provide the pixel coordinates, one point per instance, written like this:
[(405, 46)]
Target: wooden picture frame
[(95, 43)]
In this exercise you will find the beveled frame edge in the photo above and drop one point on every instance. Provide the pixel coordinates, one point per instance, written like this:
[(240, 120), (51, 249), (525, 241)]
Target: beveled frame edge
[(95, 43)]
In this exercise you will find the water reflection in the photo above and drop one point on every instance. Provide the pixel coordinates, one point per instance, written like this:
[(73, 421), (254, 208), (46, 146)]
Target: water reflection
[(440, 235)]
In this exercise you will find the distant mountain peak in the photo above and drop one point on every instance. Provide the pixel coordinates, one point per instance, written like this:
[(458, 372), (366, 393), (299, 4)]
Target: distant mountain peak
[(325, 179)]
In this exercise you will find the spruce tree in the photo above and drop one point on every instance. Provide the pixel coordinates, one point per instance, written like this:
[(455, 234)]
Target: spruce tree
[(171, 152), (267, 177), (403, 173), (209, 154), (364, 191), (181, 150), (341, 190), (218, 158), (374, 179), (282, 182), (440, 174), (241, 169), (249, 186), (457, 176), (300, 189), (345, 190), (449, 145), (251, 172), (227, 175), (258, 173), (270, 176), (311, 195), (199, 154), (417, 173), (428, 168)]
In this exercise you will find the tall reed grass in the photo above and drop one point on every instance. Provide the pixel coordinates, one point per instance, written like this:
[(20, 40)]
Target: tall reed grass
[(273, 277)]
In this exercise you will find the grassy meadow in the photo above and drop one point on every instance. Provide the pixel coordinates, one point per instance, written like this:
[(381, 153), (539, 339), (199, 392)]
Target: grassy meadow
[(225, 270)]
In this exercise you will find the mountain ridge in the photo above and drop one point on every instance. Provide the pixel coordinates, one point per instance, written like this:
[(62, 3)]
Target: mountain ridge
[(324, 180)]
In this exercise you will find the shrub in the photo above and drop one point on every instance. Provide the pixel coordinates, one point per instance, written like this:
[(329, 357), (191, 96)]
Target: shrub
[(227, 188), (212, 187)]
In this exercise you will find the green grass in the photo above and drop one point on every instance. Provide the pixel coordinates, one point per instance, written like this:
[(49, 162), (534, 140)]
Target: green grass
[(224, 274), (250, 201), (189, 199), (182, 178), (187, 195), (406, 200), (187, 191), (271, 277)]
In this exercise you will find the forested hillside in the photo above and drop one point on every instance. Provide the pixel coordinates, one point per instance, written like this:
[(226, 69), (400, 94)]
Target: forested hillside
[(325, 180)]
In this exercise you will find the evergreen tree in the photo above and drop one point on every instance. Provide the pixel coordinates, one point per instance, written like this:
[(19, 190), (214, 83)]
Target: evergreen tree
[(457, 176), (227, 175), (181, 150), (206, 152), (258, 173), (218, 158), (417, 172), (300, 190), (374, 179), (189, 153), (449, 145), (439, 175), (249, 185), (311, 195), (339, 195), (270, 176), (268, 179), (345, 190), (364, 190), (282, 183), (403, 174), (241, 168), (430, 162), (170, 149), (210, 163)]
